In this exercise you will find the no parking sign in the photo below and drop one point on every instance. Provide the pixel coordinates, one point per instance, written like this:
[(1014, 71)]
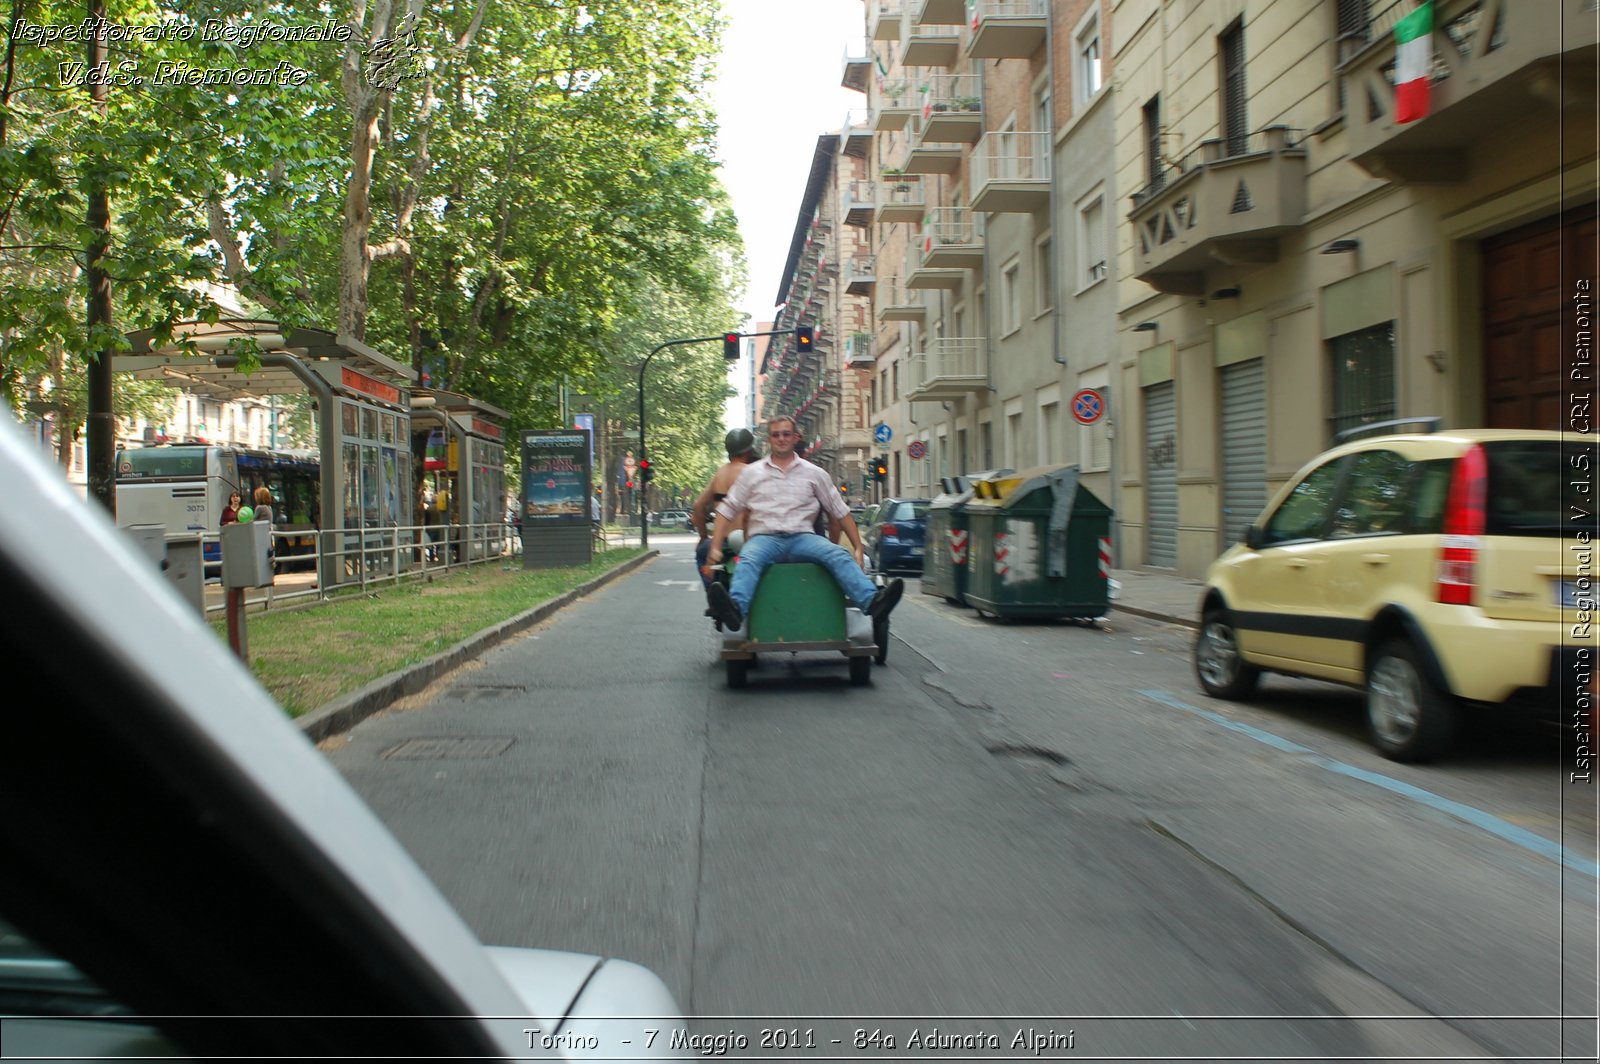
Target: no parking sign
[(1088, 406)]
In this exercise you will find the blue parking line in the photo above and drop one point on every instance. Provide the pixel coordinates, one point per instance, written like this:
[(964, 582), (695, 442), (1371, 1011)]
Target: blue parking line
[(1469, 814)]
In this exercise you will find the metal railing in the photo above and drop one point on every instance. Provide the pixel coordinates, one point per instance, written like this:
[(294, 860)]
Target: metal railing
[(1019, 155), (1270, 138)]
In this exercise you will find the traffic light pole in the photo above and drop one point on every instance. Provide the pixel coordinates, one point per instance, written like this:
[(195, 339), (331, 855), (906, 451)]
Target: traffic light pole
[(644, 453)]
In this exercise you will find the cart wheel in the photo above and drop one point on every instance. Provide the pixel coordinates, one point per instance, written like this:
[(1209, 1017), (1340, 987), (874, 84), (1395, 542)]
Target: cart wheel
[(860, 670), (880, 636), (738, 673)]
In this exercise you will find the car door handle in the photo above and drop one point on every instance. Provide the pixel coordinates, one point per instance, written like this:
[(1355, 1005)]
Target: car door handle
[(1375, 558), (1296, 563)]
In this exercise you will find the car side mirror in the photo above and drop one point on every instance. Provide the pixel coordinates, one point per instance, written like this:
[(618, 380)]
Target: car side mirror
[(1254, 537)]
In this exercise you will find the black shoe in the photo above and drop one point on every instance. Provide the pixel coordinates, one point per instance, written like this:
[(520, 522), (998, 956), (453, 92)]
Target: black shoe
[(887, 598), (724, 609)]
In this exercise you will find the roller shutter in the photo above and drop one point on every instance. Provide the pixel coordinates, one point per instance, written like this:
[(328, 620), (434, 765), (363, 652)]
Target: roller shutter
[(1244, 447), (1161, 474)]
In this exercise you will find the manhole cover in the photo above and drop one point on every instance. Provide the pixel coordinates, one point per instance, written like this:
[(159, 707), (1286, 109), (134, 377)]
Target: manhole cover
[(448, 749)]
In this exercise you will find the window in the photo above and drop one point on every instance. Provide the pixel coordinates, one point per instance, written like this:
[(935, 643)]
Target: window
[(1044, 285), (1305, 512), (1375, 497), (896, 381), (1234, 119), (1013, 437), (1152, 143), (1094, 445), (1043, 120), (986, 442), (1010, 297), (961, 450), (1093, 267), (1086, 78), (1363, 377), (1050, 433)]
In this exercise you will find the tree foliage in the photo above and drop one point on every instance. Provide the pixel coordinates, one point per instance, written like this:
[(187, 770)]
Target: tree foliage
[(502, 194)]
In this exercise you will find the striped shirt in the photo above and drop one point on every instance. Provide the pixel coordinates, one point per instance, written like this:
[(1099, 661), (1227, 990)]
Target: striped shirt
[(782, 500)]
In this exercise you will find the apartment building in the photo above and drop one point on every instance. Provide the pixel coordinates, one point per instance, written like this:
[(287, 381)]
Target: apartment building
[(1295, 261), (827, 283), (1207, 212)]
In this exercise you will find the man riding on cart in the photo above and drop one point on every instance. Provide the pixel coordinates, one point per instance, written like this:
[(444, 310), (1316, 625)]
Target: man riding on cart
[(783, 494)]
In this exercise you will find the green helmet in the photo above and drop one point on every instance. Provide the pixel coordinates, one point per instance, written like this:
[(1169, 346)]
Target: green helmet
[(738, 442)]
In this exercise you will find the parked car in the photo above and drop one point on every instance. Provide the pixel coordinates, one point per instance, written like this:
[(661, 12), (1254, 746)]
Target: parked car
[(1430, 569), (670, 519), (894, 539), (187, 875)]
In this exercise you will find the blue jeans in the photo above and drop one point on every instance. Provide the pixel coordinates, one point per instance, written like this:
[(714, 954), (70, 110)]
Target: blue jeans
[(762, 551), (701, 551)]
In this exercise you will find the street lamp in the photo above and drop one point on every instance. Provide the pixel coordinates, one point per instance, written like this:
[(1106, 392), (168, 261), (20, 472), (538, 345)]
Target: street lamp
[(644, 454)]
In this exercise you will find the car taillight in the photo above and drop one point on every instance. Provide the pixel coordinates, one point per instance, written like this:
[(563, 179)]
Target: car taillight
[(1463, 528), (889, 530)]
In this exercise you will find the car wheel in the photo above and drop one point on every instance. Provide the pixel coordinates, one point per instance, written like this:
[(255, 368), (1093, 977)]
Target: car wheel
[(1409, 717), (1218, 662), (861, 670), (738, 672)]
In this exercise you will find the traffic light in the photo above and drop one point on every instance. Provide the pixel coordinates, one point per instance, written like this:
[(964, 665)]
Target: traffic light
[(880, 469), (803, 335), (844, 489), (730, 346), (646, 473)]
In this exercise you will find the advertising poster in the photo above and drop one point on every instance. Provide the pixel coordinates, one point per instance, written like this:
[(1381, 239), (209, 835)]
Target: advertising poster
[(555, 477)]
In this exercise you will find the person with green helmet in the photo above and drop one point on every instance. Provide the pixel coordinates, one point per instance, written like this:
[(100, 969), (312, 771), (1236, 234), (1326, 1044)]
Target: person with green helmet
[(742, 450)]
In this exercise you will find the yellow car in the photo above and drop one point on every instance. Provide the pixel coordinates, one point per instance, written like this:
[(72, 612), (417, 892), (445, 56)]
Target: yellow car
[(1430, 569)]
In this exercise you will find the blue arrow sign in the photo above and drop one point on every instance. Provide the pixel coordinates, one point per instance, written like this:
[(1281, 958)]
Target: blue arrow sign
[(883, 433)]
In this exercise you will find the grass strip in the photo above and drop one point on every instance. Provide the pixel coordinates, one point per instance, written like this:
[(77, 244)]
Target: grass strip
[(308, 657)]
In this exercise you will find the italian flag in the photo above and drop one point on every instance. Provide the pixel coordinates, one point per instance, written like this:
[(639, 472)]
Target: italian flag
[(1413, 62)]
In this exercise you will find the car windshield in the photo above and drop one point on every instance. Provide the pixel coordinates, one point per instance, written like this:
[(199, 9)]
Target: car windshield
[(1536, 487)]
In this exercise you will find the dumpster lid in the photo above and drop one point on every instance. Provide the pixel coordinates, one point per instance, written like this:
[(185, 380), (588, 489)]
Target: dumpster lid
[(983, 484)]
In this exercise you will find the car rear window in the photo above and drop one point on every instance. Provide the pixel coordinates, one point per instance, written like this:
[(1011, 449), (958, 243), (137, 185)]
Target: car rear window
[(1540, 487), (909, 511)]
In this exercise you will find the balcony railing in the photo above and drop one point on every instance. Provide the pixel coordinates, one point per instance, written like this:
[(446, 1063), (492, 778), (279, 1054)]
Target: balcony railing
[(901, 198), (1212, 206), (1007, 29), (952, 108), (886, 20), (896, 302), (860, 202), (856, 140), (858, 350), (931, 46), (952, 237), (1492, 59), (928, 157), (1011, 173), (859, 275), (856, 67), (896, 104), (950, 368)]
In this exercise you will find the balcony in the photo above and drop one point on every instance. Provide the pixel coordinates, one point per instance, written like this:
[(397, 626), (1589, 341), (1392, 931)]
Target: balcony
[(940, 12), (860, 201), (951, 367), (858, 353), (952, 237), (1011, 173), (901, 199), (1215, 209), (859, 275), (932, 46), (1007, 29), (857, 69), (952, 109), (929, 158), (1496, 64), (896, 105), (886, 20), (856, 140), (896, 302)]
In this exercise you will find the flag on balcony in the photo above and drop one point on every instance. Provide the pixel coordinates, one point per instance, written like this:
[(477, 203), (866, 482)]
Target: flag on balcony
[(1413, 63)]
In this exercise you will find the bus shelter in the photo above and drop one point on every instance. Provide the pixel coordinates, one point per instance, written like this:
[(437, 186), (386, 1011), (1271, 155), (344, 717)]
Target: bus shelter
[(459, 443), (363, 417)]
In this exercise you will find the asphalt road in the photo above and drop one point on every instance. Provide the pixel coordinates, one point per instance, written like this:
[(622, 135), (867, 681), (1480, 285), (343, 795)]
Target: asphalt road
[(1029, 827)]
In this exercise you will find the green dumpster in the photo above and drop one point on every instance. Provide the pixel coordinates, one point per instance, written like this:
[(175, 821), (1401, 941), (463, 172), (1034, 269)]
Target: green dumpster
[(944, 567), (1039, 546)]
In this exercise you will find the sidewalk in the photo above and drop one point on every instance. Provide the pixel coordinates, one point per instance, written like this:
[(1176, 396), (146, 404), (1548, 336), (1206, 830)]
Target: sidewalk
[(1160, 596)]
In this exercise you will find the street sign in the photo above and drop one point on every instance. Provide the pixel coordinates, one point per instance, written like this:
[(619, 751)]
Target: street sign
[(883, 433), (917, 449), (1087, 406)]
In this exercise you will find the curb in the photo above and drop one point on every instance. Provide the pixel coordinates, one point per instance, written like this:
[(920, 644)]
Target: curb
[(346, 712), (1156, 615)]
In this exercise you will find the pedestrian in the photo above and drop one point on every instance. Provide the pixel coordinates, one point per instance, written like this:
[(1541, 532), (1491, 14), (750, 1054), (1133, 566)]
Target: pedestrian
[(263, 504), (742, 450), (783, 494), (230, 512)]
